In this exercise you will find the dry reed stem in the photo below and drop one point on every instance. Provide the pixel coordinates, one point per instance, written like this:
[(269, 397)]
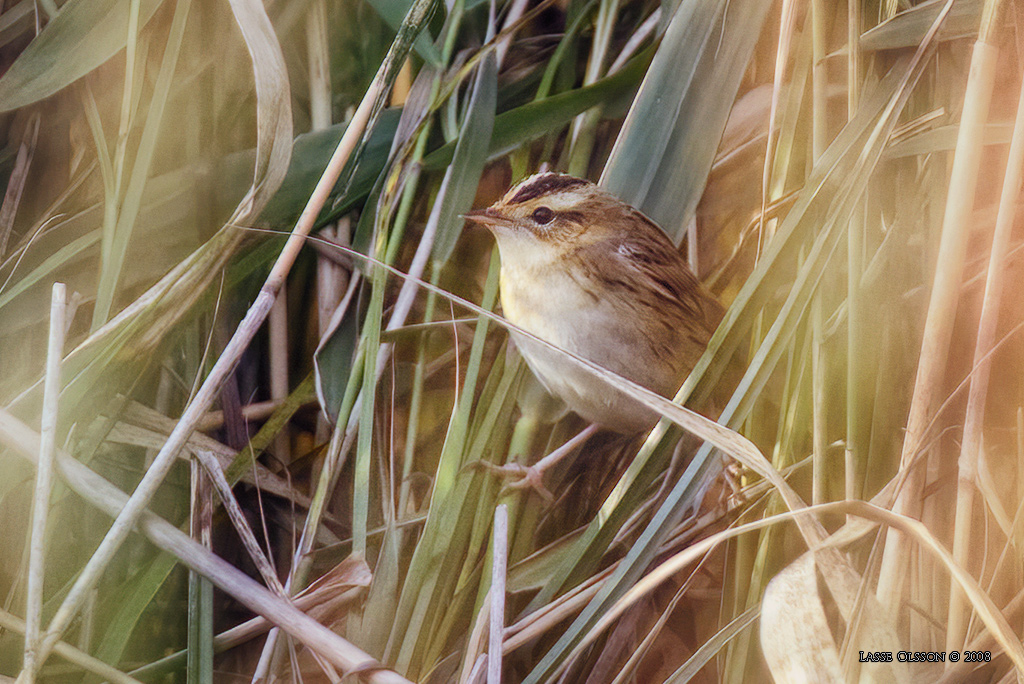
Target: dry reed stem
[(239, 521), (971, 446), (44, 480), (853, 454), (277, 326), (251, 413), (473, 653), (499, 568), (941, 307)]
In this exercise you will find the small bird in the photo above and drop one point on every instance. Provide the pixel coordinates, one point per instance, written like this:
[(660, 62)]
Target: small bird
[(590, 274)]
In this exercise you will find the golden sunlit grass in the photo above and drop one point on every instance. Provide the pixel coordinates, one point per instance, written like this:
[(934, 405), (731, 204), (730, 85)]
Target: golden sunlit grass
[(303, 499)]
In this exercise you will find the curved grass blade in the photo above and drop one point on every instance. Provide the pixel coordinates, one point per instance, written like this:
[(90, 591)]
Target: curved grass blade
[(84, 35)]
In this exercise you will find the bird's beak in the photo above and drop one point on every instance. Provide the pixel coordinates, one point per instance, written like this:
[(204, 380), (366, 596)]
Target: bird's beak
[(486, 217)]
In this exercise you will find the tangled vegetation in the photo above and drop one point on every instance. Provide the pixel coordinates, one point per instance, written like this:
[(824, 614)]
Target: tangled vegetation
[(276, 357)]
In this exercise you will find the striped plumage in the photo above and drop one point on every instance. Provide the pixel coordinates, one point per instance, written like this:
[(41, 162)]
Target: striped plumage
[(591, 274)]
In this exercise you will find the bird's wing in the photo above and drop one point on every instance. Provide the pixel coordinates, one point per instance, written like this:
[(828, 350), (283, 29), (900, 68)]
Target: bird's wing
[(652, 272)]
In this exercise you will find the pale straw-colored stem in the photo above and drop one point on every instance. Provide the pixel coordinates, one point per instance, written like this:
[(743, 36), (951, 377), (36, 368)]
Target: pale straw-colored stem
[(44, 479), (854, 454), (499, 566), (943, 302), (971, 446), (819, 141), (239, 521)]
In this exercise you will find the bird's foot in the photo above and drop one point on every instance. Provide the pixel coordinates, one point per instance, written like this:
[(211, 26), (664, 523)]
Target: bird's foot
[(732, 493), (520, 477)]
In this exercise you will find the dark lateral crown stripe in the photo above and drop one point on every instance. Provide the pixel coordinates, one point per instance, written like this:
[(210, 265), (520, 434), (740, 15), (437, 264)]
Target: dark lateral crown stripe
[(545, 185)]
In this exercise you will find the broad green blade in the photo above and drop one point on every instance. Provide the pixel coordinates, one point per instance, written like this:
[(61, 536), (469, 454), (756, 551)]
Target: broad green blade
[(663, 155)]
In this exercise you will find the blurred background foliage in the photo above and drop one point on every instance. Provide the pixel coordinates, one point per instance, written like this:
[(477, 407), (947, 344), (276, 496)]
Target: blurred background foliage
[(800, 153)]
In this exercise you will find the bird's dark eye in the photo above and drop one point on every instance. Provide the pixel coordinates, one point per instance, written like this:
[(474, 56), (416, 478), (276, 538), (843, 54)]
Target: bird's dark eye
[(543, 215)]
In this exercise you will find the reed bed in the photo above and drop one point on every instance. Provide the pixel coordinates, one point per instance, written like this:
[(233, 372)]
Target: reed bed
[(252, 357)]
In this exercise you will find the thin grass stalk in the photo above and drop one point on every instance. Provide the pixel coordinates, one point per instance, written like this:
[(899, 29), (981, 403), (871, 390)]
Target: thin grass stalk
[(710, 648), (499, 567), (114, 189), (854, 454), (819, 81), (44, 480), (127, 95), (277, 326), (371, 338), (557, 57), (473, 653), (627, 673), (200, 648), (514, 14), (645, 31), (416, 401), (51, 216), (415, 408), (782, 51), (331, 279), (945, 293), (819, 417), (478, 675), (50, 7), (238, 520), (1020, 450), (225, 364), (970, 450)]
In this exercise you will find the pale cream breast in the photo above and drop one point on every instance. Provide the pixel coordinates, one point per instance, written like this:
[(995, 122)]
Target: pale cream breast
[(557, 309)]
